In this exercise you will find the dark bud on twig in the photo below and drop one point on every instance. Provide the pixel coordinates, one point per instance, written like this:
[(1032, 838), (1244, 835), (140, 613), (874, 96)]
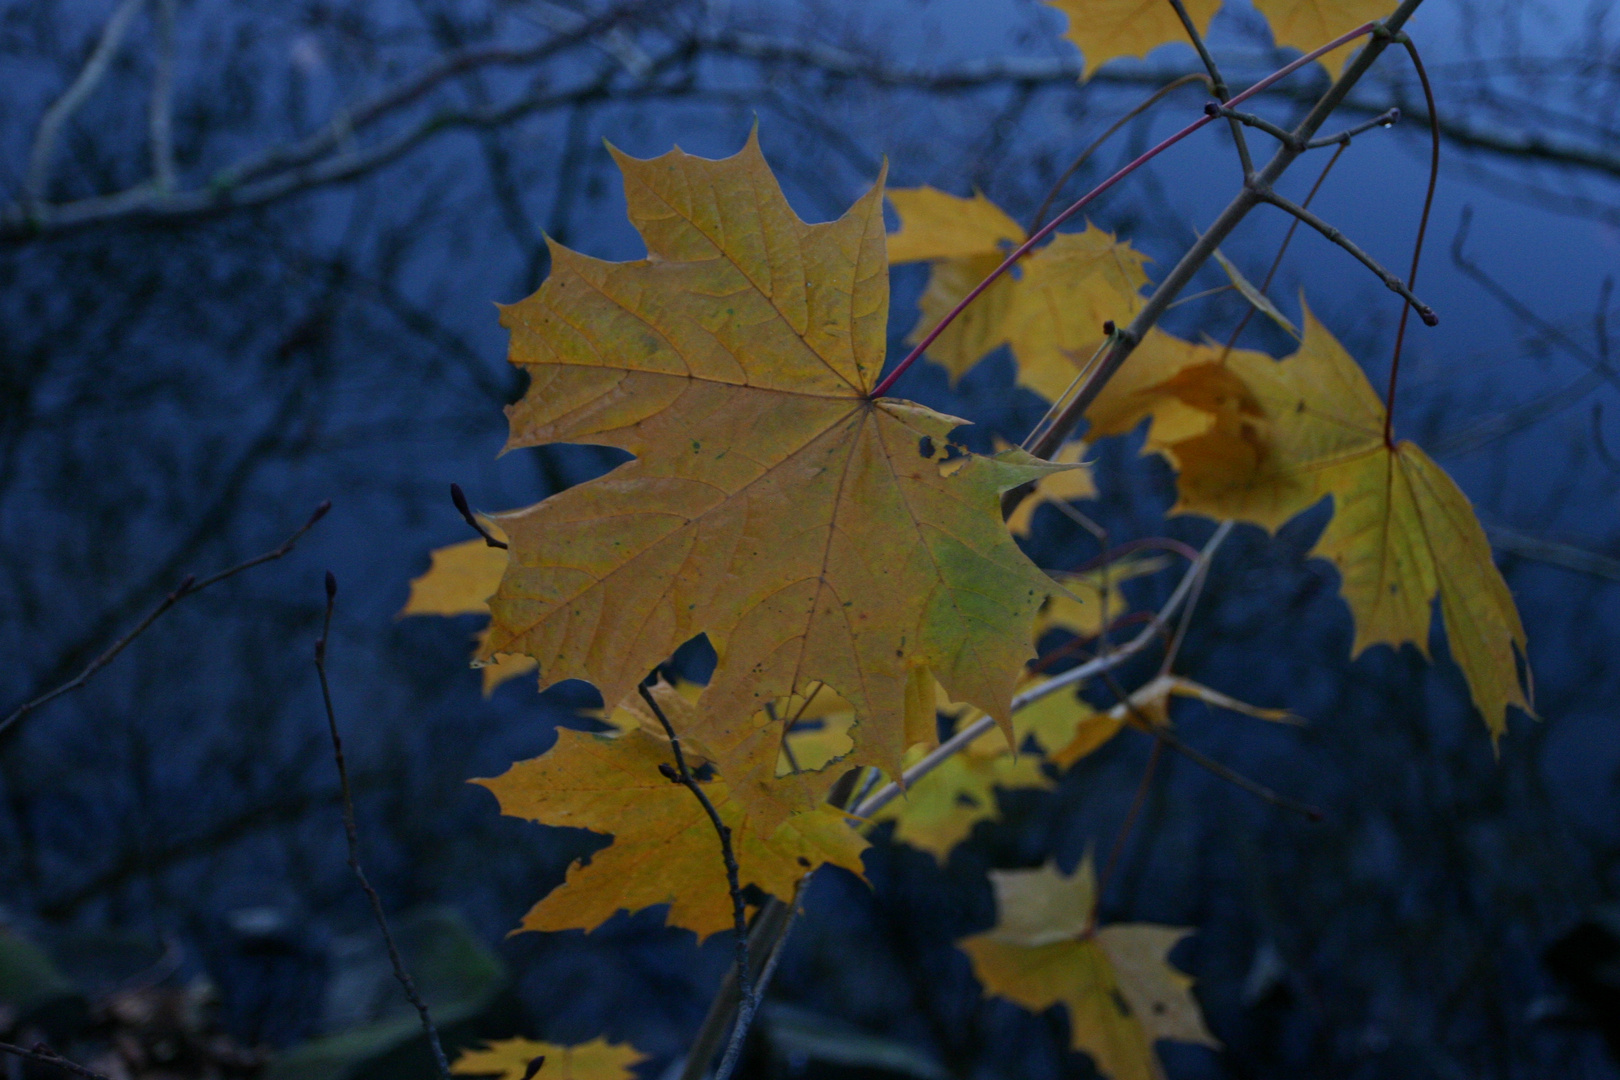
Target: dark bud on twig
[(1428, 316), (1109, 328), (459, 497), (331, 587), (1212, 108), (184, 587), (534, 1067), (668, 772), (320, 511)]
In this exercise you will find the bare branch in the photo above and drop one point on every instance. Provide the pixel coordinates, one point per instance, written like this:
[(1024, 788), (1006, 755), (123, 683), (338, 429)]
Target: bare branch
[(1217, 84), (353, 836), (186, 588), (38, 178), (682, 775), (1388, 118), (44, 1055), (1199, 253), (1391, 282), (160, 118)]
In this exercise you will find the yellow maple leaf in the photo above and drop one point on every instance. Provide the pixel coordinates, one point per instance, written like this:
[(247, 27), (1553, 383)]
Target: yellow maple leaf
[(1105, 29), (514, 1059), (1306, 24), (459, 581), (1119, 991), (816, 535), (1284, 435), (1050, 308), (664, 848)]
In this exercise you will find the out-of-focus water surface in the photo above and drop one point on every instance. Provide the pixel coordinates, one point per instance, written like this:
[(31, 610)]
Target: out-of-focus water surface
[(180, 393)]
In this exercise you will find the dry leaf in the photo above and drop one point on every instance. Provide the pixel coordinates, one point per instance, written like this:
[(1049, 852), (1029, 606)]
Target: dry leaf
[(1119, 991), (815, 535), (513, 1059)]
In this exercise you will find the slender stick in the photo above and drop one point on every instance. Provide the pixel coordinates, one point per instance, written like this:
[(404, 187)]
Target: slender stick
[(1217, 83), (1114, 852), (44, 1055), (1391, 282), (187, 587), (353, 835), (160, 110), (38, 178), (682, 775), (1282, 249), (1074, 208), (1423, 228), (459, 498), (1388, 118), (1096, 144)]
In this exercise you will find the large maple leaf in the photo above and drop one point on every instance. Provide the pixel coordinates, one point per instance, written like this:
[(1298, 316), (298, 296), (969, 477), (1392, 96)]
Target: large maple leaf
[(815, 534), (664, 848), (1275, 438), (1119, 991), (1050, 308)]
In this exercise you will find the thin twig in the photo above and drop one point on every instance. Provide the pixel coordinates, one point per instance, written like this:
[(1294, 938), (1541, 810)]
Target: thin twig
[(1217, 83), (160, 112), (459, 498), (1282, 249), (1256, 121), (353, 835), (38, 178), (1096, 144), (1391, 282), (968, 733), (1245, 201), (186, 588), (44, 1055), (1125, 827), (1388, 118), (682, 775), (1417, 245)]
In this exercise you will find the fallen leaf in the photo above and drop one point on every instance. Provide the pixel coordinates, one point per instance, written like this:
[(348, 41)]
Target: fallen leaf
[(513, 1059), (664, 848), (1119, 991), (817, 536), (1105, 29)]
